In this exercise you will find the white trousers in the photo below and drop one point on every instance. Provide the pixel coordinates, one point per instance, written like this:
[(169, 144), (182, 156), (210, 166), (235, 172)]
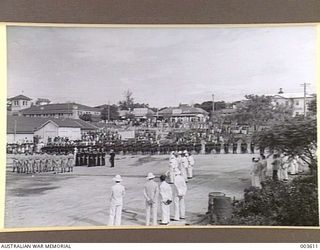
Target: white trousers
[(263, 175), (255, 181), (151, 208), (293, 168), (190, 172), (115, 215), (184, 173), (179, 208), (283, 174), (171, 175), (165, 213)]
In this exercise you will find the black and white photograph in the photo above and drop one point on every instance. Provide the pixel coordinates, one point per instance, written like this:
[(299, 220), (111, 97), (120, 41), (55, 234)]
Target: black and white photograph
[(161, 126)]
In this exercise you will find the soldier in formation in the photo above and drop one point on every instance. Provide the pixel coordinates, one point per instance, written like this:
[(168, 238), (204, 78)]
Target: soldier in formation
[(42, 162)]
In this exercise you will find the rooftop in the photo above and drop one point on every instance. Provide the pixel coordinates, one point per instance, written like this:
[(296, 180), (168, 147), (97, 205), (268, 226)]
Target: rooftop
[(20, 97), (57, 108), (185, 109), (291, 95), (22, 124)]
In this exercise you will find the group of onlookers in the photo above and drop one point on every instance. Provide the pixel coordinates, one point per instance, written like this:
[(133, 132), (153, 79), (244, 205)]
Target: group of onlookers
[(282, 166), (172, 189)]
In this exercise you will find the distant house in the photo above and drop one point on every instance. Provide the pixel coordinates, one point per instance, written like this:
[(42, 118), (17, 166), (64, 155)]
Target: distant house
[(22, 129), (18, 103), (292, 100), (42, 101), (143, 113), (183, 113), (61, 110), (123, 113)]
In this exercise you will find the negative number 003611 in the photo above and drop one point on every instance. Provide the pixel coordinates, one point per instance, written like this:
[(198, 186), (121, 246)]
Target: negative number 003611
[(308, 245)]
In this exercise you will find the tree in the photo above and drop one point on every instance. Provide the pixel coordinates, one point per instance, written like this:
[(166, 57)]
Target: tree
[(128, 102), (114, 114), (312, 107), (259, 110), (295, 136), (86, 117)]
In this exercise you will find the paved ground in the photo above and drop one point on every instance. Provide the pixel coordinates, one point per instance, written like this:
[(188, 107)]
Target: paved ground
[(81, 198)]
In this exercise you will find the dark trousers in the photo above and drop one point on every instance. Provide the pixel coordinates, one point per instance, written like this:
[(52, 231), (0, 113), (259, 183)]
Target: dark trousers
[(275, 175), (112, 162)]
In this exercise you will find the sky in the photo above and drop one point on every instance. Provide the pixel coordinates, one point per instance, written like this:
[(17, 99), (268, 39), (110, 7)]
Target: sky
[(161, 66)]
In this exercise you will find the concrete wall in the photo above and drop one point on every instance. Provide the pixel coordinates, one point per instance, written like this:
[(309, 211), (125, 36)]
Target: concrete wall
[(49, 130), (71, 133)]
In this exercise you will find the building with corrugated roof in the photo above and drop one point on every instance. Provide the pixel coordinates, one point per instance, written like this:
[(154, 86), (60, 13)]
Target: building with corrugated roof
[(22, 129), (184, 113), (61, 110)]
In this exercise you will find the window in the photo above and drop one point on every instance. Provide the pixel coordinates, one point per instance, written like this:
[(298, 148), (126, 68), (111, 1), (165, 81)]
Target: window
[(16, 103), (297, 103)]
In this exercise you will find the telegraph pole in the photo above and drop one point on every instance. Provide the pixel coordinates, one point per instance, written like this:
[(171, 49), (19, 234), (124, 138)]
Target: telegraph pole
[(212, 103), (15, 130), (305, 98), (108, 112)]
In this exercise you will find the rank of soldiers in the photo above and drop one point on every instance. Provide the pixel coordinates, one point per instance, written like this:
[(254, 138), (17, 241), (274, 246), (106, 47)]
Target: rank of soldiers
[(42, 162)]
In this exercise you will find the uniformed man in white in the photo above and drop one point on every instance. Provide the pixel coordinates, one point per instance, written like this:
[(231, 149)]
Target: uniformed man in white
[(166, 200), (180, 190), (116, 202), (151, 193), (190, 166), (184, 165), (173, 167)]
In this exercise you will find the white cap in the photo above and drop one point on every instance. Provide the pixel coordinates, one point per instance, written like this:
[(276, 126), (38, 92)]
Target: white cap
[(150, 176), (117, 178)]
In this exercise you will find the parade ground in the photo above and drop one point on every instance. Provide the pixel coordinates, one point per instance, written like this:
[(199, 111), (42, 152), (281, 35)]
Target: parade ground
[(81, 198)]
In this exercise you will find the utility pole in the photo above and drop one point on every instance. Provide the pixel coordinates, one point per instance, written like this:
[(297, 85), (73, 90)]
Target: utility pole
[(15, 130), (108, 111), (212, 106), (305, 98)]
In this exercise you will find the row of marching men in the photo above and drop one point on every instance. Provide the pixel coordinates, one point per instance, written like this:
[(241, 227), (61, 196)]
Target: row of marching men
[(282, 167), (182, 162), (165, 194), (43, 162)]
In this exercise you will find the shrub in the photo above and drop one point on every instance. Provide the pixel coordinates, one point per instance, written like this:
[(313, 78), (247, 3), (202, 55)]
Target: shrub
[(279, 204)]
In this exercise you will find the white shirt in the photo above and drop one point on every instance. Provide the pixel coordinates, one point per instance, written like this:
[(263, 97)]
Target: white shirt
[(173, 164), (180, 185), (151, 191), (117, 194), (185, 162), (191, 160), (165, 191)]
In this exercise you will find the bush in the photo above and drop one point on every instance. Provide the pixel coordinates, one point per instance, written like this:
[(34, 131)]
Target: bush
[(279, 204)]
